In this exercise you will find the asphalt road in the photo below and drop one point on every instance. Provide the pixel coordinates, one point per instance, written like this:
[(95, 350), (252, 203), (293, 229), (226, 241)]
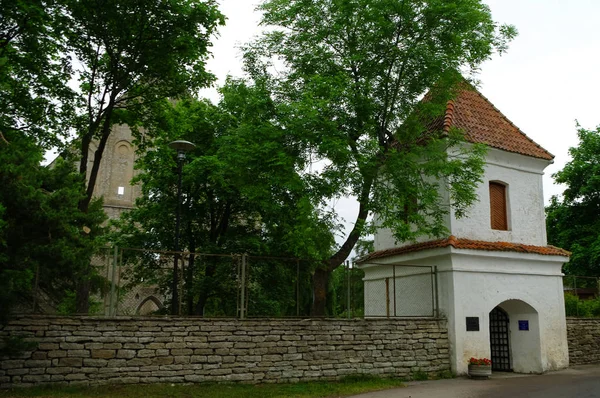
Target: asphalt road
[(576, 382)]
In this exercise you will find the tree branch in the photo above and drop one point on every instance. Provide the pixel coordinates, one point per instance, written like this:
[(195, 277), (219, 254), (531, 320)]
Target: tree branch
[(363, 212)]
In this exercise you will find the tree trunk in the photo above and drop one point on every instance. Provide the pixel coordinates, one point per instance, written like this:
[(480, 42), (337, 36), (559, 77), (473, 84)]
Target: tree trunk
[(206, 284), (321, 277), (320, 285), (82, 293), (199, 310), (91, 182)]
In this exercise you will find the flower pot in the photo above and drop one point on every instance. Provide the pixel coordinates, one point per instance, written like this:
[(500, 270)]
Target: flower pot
[(480, 371)]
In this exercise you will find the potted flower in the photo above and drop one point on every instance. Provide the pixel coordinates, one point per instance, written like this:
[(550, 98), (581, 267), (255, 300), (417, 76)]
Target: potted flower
[(480, 368)]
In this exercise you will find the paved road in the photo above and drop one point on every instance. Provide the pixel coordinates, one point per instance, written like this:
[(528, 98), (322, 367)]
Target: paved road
[(576, 382)]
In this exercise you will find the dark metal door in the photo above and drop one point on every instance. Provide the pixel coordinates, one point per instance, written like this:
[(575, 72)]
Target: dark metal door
[(499, 340)]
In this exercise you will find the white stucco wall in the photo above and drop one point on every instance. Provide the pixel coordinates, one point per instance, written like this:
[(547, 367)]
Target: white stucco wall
[(526, 219), (525, 204), (525, 345), (471, 283)]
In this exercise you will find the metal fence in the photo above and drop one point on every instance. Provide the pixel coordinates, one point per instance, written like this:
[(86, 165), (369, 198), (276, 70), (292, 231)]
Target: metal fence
[(584, 287), (141, 282), (132, 282), (400, 291), (582, 295)]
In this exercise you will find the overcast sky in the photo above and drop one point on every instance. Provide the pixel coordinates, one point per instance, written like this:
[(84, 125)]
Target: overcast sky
[(546, 81)]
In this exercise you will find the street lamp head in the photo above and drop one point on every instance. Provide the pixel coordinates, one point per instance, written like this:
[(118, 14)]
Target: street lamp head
[(181, 146)]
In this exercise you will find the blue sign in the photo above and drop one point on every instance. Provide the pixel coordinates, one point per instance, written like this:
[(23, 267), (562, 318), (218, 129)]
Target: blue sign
[(523, 325)]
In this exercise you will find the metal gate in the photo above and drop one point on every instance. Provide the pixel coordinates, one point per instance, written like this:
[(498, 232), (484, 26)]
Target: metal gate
[(499, 340)]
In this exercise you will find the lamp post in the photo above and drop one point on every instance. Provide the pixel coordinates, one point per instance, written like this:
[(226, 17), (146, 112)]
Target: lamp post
[(181, 147)]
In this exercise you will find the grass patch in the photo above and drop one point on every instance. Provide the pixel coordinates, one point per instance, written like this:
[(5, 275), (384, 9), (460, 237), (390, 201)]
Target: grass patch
[(350, 385), (445, 374), (419, 375)]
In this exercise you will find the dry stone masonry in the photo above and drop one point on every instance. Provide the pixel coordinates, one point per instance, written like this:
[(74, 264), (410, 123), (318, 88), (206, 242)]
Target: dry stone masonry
[(584, 340), (89, 350)]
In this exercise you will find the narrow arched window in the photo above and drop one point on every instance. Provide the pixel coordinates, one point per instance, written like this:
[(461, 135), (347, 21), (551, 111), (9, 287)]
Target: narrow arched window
[(498, 210)]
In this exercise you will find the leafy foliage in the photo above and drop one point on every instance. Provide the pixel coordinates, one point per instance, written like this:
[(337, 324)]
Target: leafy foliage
[(41, 228), (346, 287), (125, 55), (419, 375), (129, 54), (354, 73), (573, 222), (34, 99), (242, 193), (12, 346), (574, 306)]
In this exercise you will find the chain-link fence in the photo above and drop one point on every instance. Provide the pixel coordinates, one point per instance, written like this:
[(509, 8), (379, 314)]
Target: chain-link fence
[(132, 282), (582, 295), (146, 282), (400, 291), (218, 285), (57, 295), (584, 287), (141, 282)]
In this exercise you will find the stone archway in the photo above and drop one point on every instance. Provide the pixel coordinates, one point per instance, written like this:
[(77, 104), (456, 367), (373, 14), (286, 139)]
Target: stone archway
[(515, 340), (148, 306)]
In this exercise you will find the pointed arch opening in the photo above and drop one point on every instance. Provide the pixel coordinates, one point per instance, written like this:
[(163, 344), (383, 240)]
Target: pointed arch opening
[(148, 306)]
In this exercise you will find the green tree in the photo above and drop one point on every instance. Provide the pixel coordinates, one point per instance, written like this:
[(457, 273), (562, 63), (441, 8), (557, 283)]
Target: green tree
[(127, 55), (346, 292), (573, 221), (349, 76), (41, 228), (241, 194), (34, 99)]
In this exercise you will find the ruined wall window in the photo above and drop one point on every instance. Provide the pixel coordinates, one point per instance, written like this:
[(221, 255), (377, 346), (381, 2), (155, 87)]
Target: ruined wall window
[(121, 172), (498, 206)]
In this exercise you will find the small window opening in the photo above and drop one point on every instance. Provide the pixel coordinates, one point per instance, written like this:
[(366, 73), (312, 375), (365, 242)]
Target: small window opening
[(498, 209), (121, 191)]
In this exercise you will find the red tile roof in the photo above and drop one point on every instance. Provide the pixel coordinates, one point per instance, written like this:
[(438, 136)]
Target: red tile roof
[(467, 244), (483, 123)]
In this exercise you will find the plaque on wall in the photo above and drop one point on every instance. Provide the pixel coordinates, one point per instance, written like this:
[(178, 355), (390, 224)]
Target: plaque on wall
[(523, 325), (472, 324)]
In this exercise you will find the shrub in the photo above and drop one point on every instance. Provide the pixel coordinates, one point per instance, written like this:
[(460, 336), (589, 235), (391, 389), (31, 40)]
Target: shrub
[(574, 306)]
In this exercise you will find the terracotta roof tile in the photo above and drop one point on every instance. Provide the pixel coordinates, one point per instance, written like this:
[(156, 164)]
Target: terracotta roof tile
[(467, 244), (483, 123)]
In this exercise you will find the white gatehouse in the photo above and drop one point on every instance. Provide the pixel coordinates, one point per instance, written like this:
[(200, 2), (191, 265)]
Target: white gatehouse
[(494, 279)]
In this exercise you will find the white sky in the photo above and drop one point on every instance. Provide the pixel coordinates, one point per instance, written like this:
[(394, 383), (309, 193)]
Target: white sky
[(546, 80)]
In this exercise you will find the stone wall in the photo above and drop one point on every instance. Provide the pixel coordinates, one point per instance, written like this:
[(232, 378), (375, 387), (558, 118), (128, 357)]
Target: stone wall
[(88, 350), (584, 340)]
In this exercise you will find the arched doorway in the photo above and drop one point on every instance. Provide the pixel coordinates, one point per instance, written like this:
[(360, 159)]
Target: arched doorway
[(499, 340), (515, 338), (148, 306)]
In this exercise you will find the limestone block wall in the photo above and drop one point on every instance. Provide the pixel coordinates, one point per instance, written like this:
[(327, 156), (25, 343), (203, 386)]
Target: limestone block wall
[(584, 340), (89, 350)]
